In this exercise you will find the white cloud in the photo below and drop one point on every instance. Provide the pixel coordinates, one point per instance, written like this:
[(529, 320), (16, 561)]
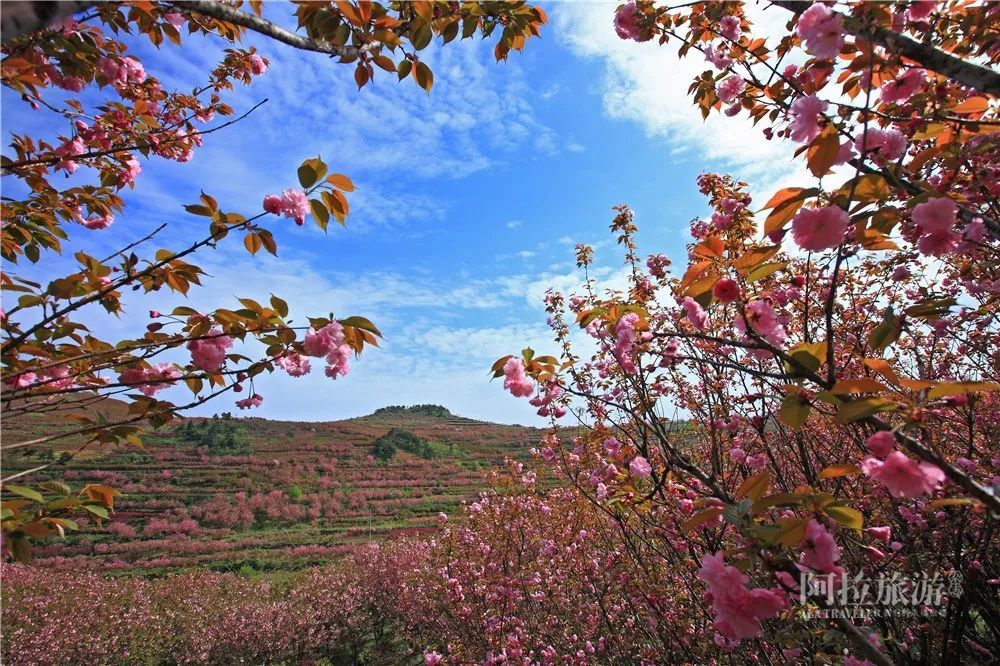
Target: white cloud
[(514, 224), (647, 84)]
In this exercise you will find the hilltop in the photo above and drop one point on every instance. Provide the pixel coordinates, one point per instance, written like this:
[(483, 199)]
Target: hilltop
[(250, 493)]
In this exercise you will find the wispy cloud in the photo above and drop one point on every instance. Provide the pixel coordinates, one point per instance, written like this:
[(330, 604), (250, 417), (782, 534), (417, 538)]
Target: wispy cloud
[(647, 84)]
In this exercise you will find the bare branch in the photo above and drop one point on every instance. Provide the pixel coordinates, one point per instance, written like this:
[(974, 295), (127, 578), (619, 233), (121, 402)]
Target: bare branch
[(230, 14)]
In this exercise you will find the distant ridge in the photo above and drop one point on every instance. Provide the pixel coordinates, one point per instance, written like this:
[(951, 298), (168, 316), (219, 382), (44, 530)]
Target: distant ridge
[(417, 410)]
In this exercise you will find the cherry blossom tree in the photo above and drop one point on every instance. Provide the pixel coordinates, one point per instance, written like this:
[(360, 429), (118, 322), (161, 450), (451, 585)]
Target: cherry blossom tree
[(815, 390), (52, 362)]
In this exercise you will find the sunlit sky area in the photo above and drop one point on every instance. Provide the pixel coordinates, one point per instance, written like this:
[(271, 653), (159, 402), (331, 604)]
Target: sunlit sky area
[(469, 199)]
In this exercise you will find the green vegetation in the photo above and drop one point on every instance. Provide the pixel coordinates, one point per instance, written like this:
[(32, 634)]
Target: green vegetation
[(384, 448), (224, 436), (418, 410)]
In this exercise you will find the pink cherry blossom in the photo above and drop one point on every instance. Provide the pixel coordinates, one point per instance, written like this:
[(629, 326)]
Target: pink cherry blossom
[(627, 23), (903, 476), (295, 365), (323, 341), (291, 203), (295, 204), (822, 30), (257, 65), (153, 379), (175, 19), (253, 401), (935, 220), (883, 534), (337, 361), (272, 204), (764, 321), (902, 88), (209, 353), (738, 611), (625, 339), (816, 229), (805, 114), (820, 552), (726, 290), (640, 467), (935, 215), (95, 221), (718, 57), (23, 379), (131, 169), (881, 443), (888, 144), (695, 313), (920, 9), (515, 379), (730, 89), (729, 27)]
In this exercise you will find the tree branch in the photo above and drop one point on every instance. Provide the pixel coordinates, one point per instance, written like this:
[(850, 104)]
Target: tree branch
[(23, 16), (975, 76), (223, 12)]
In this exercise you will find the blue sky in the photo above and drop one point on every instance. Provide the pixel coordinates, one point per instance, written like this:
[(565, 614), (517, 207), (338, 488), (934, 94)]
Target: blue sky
[(469, 200)]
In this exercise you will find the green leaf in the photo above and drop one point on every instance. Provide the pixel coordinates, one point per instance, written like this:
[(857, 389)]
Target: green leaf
[(56, 487), (307, 175), (886, 332), (97, 510), (846, 516), (404, 68), (860, 409), (25, 492), (320, 212), (794, 410), (421, 35), (362, 323)]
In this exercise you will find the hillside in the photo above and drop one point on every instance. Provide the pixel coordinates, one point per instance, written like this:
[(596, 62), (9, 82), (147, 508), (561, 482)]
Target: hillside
[(298, 496)]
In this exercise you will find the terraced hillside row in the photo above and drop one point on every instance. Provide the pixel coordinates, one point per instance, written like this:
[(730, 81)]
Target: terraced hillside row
[(303, 493)]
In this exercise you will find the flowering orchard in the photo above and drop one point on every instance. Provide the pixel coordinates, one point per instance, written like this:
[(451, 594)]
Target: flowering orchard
[(53, 363), (833, 348)]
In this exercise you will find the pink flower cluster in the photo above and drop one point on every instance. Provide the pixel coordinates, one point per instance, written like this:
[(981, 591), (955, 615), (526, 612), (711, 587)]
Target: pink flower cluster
[(804, 115), (209, 353), (730, 89), (817, 229), (292, 204), (257, 65), (822, 29), (738, 610), (881, 443), (763, 321), (254, 400), (120, 73), (515, 380), (726, 290), (902, 476), (627, 23), (329, 342), (902, 88), (695, 313), (935, 220), (152, 379), (820, 552), (887, 144), (296, 365), (545, 398), (626, 336)]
